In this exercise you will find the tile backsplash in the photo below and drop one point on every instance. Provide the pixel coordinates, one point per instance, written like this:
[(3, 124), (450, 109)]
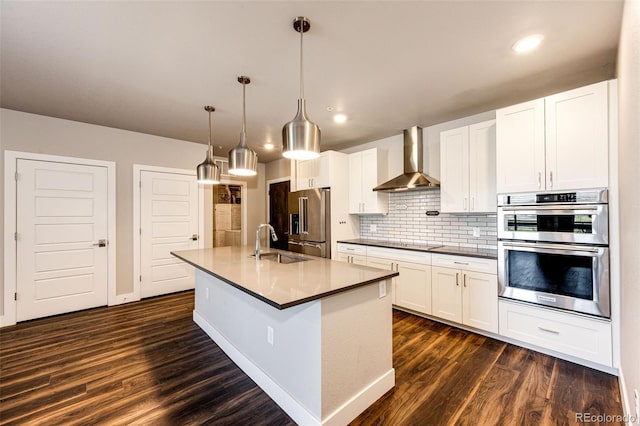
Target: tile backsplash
[(407, 222)]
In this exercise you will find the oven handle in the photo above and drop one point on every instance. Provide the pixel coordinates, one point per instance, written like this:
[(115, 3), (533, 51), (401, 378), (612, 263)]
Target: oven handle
[(535, 209), (556, 247)]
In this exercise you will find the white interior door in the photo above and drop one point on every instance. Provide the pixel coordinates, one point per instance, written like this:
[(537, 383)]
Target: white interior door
[(61, 216), (168, 222)]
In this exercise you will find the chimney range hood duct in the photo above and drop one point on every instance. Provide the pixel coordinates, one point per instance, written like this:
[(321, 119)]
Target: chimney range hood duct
[(413, 178)]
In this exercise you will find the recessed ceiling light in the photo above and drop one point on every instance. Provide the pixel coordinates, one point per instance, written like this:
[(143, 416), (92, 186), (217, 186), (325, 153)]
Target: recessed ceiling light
[(340, 118), (527, 44), (268, 146), (329, 108)]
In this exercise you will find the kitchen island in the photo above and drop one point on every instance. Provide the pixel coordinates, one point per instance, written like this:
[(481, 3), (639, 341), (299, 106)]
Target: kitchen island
[(315, 335)]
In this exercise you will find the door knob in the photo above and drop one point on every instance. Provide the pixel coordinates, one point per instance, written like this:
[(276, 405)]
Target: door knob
[(194, 237), (100, 243)]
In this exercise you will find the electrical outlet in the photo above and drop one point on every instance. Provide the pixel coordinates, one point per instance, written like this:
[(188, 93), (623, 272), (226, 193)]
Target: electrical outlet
[(476, 232), (270, 335), (382, 289), (373, 227)]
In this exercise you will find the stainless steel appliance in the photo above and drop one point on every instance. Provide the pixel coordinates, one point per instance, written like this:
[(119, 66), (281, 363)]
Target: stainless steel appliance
[(553, 250), (413, 177), (310, 222)]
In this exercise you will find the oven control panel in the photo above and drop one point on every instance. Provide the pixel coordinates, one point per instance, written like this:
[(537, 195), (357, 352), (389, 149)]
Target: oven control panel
[(567, 197), (587, 196)]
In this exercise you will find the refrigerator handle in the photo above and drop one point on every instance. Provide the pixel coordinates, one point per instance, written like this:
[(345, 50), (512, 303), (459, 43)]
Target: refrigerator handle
[(303, 214), (300, 217), (290, 223)]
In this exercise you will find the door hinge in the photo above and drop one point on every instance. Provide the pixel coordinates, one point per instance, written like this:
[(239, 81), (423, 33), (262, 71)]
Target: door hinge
[(140, 278), (15, 236), (15, 296), (16, 176), (140, 231)]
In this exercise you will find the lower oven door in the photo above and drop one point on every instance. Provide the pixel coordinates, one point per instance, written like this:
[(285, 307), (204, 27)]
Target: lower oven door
[(564, 276)]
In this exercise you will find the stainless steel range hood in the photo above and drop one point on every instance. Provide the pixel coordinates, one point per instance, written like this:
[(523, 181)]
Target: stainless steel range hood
[(413, 178)]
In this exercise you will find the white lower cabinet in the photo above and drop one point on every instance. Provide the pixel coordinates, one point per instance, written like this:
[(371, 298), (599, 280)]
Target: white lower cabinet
[(578, 336), (351, 258), (465, 291), (412, 288), (351, 253)]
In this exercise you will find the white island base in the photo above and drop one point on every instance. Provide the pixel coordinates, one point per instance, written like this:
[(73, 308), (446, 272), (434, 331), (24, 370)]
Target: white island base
[(323, 362)]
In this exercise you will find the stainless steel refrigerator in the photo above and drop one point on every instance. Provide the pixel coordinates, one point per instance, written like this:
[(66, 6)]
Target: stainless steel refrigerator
[(310, 222)]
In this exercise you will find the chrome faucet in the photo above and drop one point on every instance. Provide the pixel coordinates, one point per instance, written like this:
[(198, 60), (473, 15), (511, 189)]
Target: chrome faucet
[(274, 237)]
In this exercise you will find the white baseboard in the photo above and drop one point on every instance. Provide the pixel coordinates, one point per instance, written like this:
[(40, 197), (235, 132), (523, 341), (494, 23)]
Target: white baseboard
[(295, 410), (628, 406), (362, 400), (5, 321), (124, 298)]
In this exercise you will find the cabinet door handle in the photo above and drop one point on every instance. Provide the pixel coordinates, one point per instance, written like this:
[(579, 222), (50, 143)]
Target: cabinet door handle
[(464, 280), (539, 180), (473, 204), (551, 179), (457, 279), (548, 331), (460, 263), (464, 204)]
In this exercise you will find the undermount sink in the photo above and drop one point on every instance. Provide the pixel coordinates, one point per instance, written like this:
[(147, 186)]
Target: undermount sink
[(281, 257)]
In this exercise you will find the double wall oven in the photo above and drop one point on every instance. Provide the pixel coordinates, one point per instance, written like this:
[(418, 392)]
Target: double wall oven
[(553, 250)]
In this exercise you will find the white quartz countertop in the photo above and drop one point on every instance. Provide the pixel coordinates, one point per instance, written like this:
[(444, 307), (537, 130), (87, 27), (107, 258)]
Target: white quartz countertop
[(278, 284)]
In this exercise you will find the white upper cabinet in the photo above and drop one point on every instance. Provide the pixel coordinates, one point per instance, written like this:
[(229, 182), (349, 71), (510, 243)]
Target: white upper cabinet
[(367, 169), (555, 143), (577, 137), (468, 169), (314, 173)]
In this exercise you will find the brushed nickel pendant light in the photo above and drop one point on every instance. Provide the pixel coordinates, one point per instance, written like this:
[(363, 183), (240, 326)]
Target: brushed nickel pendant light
[(243, 161), (208, 171), (300, 136)]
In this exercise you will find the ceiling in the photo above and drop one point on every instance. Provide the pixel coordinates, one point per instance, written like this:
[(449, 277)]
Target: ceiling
[(151, 66)]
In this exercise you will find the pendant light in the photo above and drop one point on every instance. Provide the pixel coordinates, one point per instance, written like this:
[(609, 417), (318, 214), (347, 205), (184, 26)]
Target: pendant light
[(208, 171), (242, 160), (301, 137)]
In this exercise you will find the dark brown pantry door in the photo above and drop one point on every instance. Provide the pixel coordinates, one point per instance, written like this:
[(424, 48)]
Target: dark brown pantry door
[(278, 213)]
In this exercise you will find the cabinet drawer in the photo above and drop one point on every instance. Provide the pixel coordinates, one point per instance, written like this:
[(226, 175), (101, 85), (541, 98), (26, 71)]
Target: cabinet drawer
[(586, 338), (476, 264), (352, 249), (400, 255)]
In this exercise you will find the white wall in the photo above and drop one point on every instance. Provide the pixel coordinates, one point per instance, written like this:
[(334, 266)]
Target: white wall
[(278, 169), (629, 177), (46, 135)]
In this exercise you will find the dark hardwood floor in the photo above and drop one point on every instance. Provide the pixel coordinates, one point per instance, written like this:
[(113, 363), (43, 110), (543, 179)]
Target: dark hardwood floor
[(148, 363)]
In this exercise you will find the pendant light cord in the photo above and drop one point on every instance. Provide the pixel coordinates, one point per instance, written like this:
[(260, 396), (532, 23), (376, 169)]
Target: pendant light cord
[(210, 149), (301, 61), (244, 115)]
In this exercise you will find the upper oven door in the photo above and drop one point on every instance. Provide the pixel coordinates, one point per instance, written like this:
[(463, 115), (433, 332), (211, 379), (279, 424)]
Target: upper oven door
[(585, 224)]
